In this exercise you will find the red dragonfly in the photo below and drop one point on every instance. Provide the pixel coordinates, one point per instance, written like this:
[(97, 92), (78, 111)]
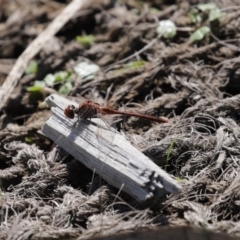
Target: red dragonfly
[(89, 109)]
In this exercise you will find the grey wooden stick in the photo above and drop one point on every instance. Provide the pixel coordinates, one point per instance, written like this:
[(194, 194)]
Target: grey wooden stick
[(108, 153)]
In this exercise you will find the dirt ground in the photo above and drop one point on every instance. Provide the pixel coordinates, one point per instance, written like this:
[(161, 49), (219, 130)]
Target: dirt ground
[(192, 83)]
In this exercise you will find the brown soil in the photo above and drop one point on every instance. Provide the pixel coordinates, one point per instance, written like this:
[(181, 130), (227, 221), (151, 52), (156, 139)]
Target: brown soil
[(46, 194)]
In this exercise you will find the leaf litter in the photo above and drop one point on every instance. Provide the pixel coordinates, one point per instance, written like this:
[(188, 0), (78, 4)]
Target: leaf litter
[(46, 194)]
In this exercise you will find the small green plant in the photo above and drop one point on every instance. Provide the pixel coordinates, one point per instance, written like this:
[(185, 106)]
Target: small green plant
[(167, 29), (130, 65), (169, 152), (66, 88), (194, 16), (178, 179), (215, 14), (86, 70), (134, 64), (85, 40), (32, 67), (206, 6), (199, 15), (37, 87), (28, 140), (154, 10), (62, 78), (204, 11), (199, 34)]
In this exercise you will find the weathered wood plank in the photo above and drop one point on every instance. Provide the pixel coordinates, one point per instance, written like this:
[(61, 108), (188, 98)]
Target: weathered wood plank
[(108, 153)]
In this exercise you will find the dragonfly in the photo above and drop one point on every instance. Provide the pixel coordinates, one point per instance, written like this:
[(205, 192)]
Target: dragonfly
[(89, 109)]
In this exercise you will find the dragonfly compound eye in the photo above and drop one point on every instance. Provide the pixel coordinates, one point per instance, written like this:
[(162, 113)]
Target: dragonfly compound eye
[(69, 111)]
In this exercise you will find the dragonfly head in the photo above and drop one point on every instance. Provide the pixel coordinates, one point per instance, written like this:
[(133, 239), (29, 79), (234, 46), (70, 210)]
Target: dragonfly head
[(69, 111)]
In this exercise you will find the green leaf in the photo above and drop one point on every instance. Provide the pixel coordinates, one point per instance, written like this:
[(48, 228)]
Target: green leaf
[(215, 14), (62, 76), (66, 88), (154, 10), (170, 151), (49, 80), (28, 140), (86, 70), (166, 28), (195, 16), (34, 89), (37, 87), (134, 64), (85, 40), (206, 6), (199, 34), (32, 67), (39, 83)]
